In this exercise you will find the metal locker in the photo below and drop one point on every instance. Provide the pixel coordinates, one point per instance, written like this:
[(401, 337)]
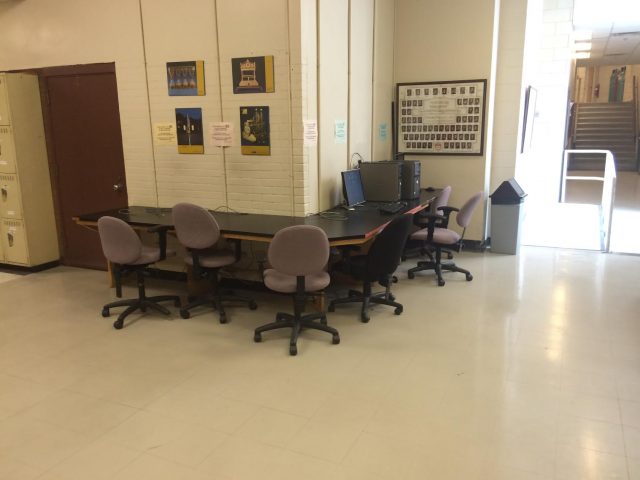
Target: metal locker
[(14, 242), (5, 118), (10, 203), (7, 151)]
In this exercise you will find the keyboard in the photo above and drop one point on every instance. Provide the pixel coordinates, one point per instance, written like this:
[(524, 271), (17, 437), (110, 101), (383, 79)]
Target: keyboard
[(392, 207)]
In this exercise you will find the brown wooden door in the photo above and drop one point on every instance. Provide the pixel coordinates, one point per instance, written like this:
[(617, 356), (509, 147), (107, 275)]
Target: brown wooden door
[(85, 149)]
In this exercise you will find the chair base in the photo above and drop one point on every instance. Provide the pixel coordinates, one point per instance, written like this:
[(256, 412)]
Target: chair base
[(216, 302), (141, 304), (438, 267), (367, 298), (297, 323)]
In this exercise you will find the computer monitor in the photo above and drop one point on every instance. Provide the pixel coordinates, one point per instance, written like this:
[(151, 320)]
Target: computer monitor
[(352, 187)]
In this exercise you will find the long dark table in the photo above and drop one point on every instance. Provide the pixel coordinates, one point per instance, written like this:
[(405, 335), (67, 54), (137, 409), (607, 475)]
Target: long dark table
[(343, 227)]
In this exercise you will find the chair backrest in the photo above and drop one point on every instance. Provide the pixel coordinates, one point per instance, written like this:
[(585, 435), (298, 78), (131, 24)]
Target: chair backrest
[(299, 250), (195, 226), (385, 252), (120, 243), (466, 211), (441, 200)]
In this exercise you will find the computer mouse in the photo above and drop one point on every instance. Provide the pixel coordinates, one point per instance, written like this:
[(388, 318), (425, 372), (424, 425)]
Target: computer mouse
[(429, 189)]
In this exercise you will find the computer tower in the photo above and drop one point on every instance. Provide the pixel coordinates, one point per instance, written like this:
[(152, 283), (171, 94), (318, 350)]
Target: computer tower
[(382, 181), (410, 179), (390, 181)]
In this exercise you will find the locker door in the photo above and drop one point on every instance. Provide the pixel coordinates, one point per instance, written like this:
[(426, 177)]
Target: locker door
[(5, 118), (10, 206), (7, 151), (14, 242)]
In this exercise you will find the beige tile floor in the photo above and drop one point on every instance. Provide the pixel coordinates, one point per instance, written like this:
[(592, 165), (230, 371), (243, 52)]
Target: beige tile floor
[(531, 371)]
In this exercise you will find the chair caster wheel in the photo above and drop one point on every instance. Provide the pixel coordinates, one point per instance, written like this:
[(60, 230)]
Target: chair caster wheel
[(364, 318), (469, 277), (105, 312), (177, 303), (293, 350), (323, 320), (185, 314), (411, 275), (257, 337), (336, 339), (253, 305), (441, 283), (398, 310), (394, 279), (223, 318), (118, 324), (332, 307)]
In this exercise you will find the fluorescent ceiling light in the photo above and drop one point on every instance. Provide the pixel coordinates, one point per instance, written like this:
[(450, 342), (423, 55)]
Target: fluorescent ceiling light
[(582, 35), (582, 46)]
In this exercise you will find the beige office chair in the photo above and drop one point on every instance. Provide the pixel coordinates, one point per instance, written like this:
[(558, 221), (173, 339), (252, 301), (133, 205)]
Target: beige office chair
[(440, 239), (123, 248), (199, 232), (298, 255)]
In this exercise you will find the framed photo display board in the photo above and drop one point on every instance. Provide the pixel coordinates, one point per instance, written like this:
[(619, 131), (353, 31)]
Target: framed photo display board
[(441, 118)]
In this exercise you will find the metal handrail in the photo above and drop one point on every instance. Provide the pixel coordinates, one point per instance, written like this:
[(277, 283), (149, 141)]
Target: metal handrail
[(608, 180)]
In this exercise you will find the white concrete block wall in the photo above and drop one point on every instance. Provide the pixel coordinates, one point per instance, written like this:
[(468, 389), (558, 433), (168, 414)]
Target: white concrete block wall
[(509, 91)]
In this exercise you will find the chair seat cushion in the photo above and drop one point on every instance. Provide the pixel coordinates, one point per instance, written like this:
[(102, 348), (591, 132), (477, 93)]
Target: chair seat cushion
[(440, 235), (281, 282), (151, 255), (213, 258)]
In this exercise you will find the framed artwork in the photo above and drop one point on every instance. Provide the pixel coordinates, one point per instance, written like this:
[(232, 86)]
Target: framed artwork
[(252, 74), (189, 130), (254, 131), (185, 78), (530, 98), (441, 118)]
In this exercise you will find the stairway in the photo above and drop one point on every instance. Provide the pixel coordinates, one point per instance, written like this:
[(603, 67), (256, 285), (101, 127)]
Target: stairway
[(604, 126)]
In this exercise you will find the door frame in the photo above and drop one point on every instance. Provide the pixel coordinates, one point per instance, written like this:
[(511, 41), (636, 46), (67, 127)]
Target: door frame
[(43, 74)]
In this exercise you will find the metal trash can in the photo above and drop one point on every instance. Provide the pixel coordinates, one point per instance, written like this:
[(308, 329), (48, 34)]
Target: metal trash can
[(506, 217)]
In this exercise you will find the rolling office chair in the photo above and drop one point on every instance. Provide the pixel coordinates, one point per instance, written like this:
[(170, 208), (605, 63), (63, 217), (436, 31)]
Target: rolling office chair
[(198, 231), (378, 265), (298, 255), (123, 248), (440, 239), (421, 219)]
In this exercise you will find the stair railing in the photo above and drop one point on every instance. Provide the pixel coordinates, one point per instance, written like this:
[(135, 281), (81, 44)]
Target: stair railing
[(608, 190)]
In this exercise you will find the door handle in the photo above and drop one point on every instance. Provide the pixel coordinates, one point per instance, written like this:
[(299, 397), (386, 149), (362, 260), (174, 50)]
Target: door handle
[(4, 193), (10, 239), (118, 187)]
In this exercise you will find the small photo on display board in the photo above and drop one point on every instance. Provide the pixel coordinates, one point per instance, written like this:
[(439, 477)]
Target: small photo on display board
[(185, 78), (441, 118), (254, 131), (189, 129), (253, 74)]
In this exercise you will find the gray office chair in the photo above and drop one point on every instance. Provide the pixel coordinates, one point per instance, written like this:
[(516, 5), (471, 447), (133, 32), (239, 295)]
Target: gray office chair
[(440, 239), (298, 256), (377, 265), (198, 232), (421, 220), (123, 248)]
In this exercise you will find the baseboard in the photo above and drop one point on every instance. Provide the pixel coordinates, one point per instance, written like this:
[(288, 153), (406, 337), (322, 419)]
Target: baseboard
[(22, 270)]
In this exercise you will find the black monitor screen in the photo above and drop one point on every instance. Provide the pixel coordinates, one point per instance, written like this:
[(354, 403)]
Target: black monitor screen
[(352, 187)]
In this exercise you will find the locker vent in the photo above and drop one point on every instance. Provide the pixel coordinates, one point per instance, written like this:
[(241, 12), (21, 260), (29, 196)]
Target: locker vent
[(11, 223), (7, 178)]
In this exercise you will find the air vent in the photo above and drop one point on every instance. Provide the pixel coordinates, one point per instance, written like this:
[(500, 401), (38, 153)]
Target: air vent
[(12, 223), (8, 178)]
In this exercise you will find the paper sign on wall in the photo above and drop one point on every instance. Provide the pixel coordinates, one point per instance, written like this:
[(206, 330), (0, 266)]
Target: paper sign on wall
[(340, 131), (221, 134), (164, 134), (310, 133), (383, 132)]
